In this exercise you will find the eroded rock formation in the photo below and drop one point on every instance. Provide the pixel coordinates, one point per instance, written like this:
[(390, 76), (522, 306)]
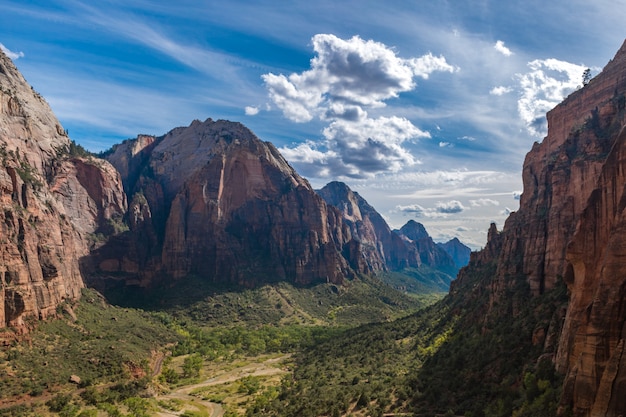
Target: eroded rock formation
[(213, 200), (370, 246), (51, 205), (570, 226)]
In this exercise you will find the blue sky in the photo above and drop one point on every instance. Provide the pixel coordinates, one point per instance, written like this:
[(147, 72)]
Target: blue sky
[(426, 108)]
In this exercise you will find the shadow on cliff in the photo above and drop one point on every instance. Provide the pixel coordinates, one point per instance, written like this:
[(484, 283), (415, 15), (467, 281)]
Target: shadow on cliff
[(164, 293)]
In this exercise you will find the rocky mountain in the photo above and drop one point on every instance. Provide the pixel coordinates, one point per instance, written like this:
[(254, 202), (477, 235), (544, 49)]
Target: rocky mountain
[(371, 242), (417, 239), (212, 199), (53, 203), (457, 250), (570, 227), (376, 246)]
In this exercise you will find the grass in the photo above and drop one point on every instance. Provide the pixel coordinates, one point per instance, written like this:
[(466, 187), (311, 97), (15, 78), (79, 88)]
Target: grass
[(103, 344)]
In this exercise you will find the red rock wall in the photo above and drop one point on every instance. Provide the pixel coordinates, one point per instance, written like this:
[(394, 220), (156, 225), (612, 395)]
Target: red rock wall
[(49, 205)]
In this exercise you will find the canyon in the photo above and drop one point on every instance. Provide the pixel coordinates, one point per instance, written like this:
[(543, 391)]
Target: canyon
[(213, 200)]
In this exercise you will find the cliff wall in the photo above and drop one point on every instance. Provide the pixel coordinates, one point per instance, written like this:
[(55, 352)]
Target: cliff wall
[(51, 204)]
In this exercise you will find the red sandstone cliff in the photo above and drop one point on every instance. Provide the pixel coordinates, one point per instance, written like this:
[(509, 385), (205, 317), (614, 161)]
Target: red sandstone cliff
[(570, 225), (370, 245), (213, 200), (50, 204)]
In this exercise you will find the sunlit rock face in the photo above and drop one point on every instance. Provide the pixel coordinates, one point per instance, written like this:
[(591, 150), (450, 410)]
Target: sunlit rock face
[(371, 246), (50, 205), (570, 226), (213, 200)]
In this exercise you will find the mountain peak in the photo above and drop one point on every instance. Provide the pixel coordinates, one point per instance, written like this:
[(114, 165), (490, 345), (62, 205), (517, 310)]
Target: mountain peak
[(414, 230)]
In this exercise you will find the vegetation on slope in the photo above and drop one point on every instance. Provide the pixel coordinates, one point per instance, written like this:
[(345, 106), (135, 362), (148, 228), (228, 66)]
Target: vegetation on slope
[(457, 357), (115, 350), (359, 301)]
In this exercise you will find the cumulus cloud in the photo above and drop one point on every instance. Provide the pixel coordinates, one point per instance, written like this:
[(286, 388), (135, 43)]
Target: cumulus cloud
[(355, 150), (251, 110), (484, 202), (441, 209), (346, 78), (444, 144), (547, 83), (450, 207), (13, 55), (499, 46), (500, 90), (415, 209)]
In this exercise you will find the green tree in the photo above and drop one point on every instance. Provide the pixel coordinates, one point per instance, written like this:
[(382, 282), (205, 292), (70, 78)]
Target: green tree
[(192, 365), (586, 76)]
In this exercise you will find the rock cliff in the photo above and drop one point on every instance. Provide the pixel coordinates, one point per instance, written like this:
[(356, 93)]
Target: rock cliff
[(51, 205), (570, 226), (370, 246), (212, 199)]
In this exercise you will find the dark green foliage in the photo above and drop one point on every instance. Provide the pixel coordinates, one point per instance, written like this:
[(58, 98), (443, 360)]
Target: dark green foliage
[(76, 149), (462, 356), (249, 385), (58, 402), (212, 343), (96, 347), (192, 365), (362, 300), (370, 365)]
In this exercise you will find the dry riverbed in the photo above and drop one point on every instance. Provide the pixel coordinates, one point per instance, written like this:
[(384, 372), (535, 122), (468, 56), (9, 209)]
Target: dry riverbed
[(225, 386)]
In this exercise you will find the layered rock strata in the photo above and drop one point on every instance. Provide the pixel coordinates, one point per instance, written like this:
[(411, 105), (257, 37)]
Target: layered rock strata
[(51, 204), (569, 226), (213, 200)]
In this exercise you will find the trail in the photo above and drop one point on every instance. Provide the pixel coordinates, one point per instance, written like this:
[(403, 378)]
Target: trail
[(265, 368)]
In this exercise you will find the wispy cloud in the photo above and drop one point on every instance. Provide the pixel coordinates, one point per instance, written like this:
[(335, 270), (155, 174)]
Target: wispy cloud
[(441, 209), (13, 55), (484, 202)]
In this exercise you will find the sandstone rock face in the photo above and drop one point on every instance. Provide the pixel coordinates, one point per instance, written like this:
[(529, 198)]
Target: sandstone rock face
[(592, 342), (370, 245), (559, 175), (50, 203), (213, 200), (570, 225)]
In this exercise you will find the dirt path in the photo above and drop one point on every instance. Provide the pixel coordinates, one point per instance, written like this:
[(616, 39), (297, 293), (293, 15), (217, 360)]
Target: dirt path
[(265, 368)]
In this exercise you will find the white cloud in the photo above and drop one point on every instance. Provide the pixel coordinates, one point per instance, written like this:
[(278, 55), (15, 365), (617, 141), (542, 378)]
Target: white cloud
[(444, 144), (357, 149), (13, 55), (251, 110), (450, 207), (414, 209), (484, 202), (346, 78), (499, 46), (441, 209), (500, 90), (547, 83)]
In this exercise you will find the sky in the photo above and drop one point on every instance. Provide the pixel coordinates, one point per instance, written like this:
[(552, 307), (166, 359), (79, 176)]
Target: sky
[(425, 108)]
